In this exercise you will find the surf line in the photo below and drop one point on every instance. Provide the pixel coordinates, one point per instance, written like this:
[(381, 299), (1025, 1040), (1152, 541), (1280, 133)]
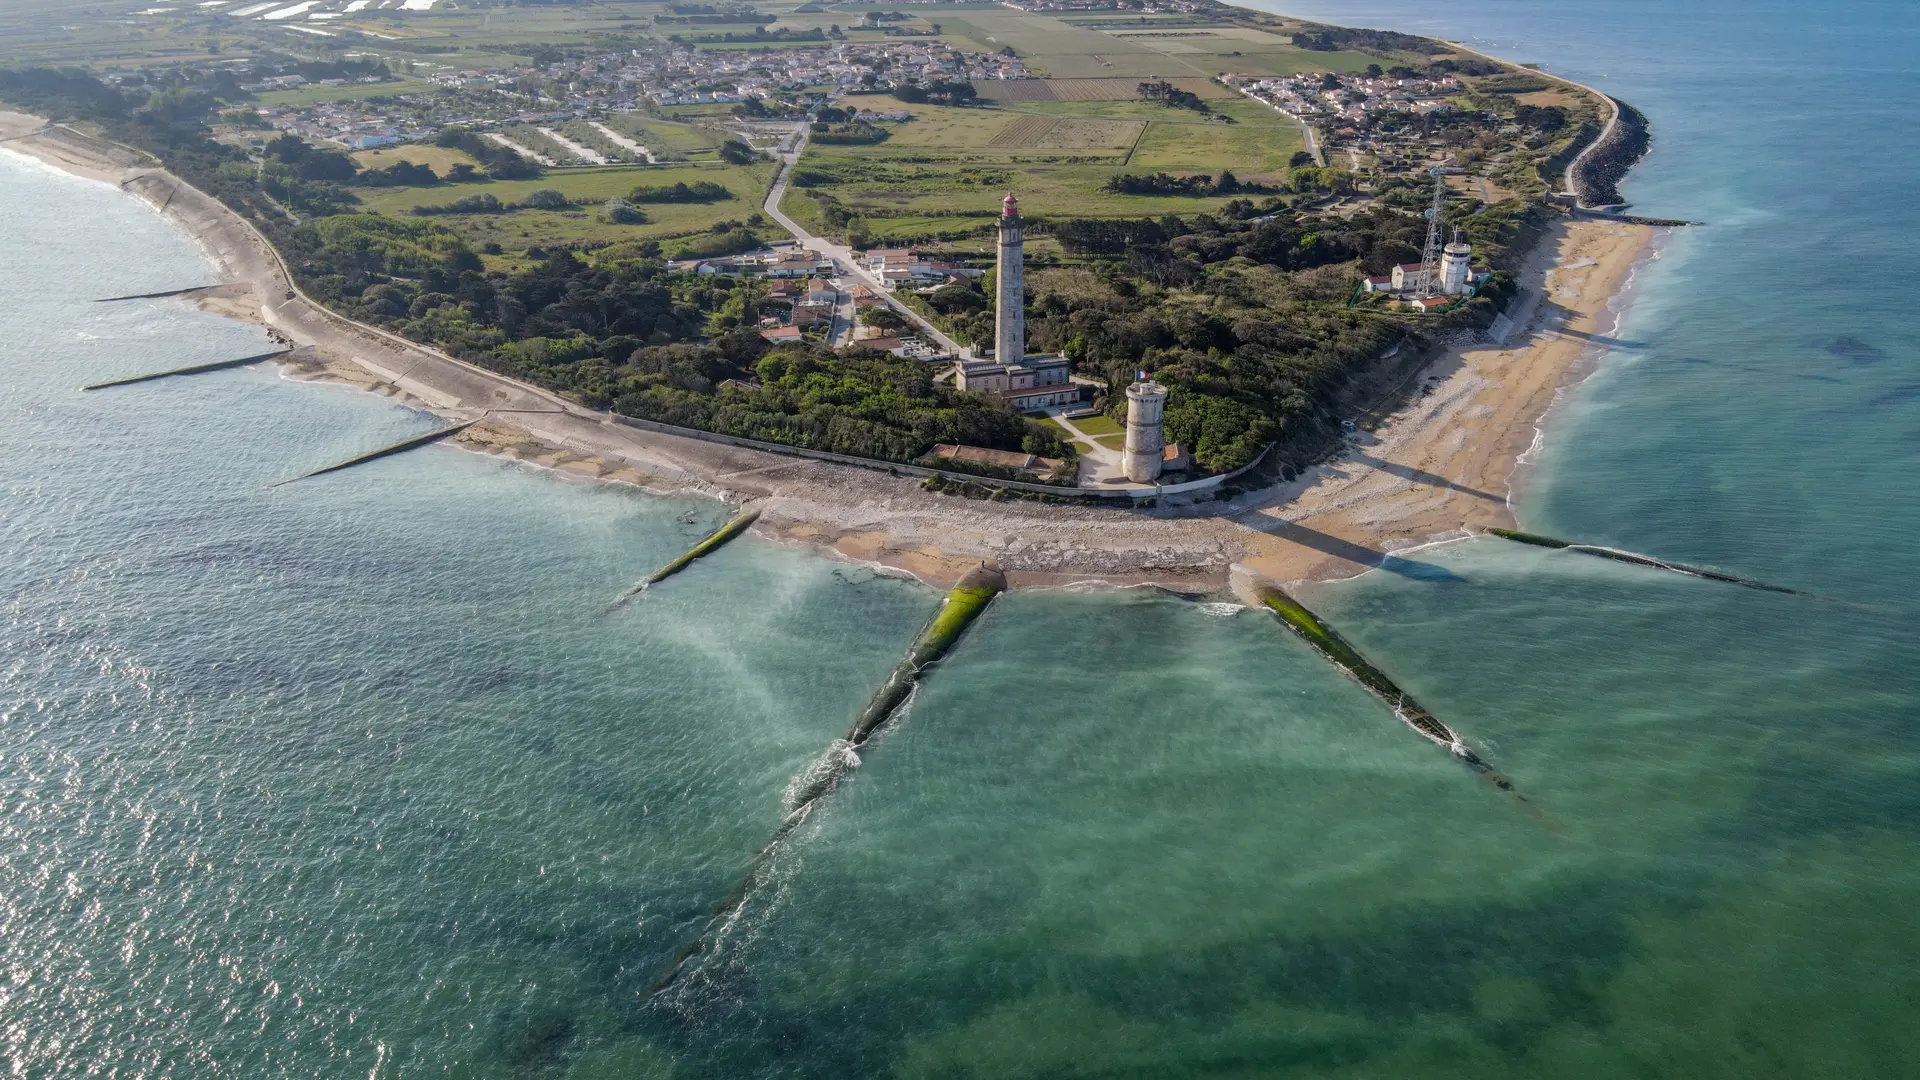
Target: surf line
[(734, 527), (965, 603), (386, 451), (196, 369), (1331, 645), (1617, 555)]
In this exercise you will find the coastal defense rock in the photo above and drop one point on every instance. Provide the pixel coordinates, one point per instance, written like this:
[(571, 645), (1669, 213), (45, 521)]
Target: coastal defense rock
[(188, 291), (968, 598), (1331, 645), (734, 527), (196, 369), (963, 604), (400, 447), (1536, 540)]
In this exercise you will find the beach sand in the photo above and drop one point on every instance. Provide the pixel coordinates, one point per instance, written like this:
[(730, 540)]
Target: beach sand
[(1448, 462), (1440, 466)]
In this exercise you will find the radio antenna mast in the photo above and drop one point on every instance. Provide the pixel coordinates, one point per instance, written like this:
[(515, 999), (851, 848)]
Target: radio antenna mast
[(1430, 258)]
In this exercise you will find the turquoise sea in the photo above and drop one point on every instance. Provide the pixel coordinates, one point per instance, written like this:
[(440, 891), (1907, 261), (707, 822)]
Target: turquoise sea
[(351, 778)]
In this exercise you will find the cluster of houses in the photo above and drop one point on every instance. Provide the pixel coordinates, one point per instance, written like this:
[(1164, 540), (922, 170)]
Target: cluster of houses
[(1311, 97), (894, 267), (1146, 7), (682, 75), (662, 74), (802, 299)]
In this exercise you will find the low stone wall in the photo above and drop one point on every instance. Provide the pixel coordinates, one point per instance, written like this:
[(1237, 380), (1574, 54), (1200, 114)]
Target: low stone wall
[(1133, 492)]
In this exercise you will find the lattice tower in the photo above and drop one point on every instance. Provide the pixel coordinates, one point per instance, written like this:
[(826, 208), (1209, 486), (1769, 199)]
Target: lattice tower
[(1430, 258)]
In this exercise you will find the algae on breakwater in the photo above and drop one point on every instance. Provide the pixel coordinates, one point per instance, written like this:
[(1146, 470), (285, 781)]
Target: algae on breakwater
[(963, 604), (968, 598), (734, 527), (1349, 659)]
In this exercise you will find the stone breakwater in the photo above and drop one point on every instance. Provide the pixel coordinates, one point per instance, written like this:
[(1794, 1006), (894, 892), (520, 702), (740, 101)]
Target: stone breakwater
[(1596, 175)]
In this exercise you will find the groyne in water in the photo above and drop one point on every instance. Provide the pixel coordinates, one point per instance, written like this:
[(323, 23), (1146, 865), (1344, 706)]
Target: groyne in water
[(1617, 555), (1337, 649), (400, 447), (734, 527), (162, 294), (963, 604), (196, 369)]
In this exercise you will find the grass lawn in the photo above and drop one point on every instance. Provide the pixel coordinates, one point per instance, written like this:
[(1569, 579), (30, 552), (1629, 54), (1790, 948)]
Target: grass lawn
[(1113, 442), (1261, 142), (1098, 426), (439, 158), (597, 184), (301, 96), (589, 187), (918, 199), (664, 135)]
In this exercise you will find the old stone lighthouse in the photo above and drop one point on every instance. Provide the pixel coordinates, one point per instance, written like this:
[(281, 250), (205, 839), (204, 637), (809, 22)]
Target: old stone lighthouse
[(1026, 381)]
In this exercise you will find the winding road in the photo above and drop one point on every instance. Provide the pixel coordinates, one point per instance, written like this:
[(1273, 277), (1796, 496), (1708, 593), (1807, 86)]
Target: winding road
[(842, 255)]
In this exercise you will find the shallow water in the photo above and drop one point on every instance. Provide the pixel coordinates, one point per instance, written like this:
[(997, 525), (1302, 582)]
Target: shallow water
[(352, 777)]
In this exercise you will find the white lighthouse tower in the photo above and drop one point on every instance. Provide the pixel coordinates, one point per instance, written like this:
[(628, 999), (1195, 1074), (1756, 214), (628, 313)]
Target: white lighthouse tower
[(1456, 261), (1146, 445), (1010, 288)]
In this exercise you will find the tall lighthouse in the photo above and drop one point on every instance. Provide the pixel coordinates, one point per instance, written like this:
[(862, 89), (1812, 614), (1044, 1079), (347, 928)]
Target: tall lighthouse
[(1010, 291)]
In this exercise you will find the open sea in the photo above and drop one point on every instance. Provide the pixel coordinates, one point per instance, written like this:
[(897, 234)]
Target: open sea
[(351, 778)]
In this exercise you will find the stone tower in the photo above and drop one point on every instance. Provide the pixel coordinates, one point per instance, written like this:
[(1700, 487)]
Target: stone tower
[(1010, 291), (1146, 445), (1455, 264)]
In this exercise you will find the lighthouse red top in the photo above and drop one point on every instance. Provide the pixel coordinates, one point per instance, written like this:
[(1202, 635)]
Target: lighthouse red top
[(1009, 206)]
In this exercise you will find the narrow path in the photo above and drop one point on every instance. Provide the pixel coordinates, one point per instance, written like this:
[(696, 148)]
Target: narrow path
[(1098, 464), (1606, 101)]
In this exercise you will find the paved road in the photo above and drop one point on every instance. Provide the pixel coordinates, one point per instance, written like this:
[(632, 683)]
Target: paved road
[(842, 255)]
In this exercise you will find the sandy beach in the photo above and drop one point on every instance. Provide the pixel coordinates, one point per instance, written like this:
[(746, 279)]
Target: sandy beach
[(1443, 465)]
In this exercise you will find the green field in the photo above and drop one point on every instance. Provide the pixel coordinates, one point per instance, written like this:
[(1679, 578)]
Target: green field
[(438, 158), (301, 96), (1055, 154), (590, 187), (1069, 49), (945, 171), (664, 137)]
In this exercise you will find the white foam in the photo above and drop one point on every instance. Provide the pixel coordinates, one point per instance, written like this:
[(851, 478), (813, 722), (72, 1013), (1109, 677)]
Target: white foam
[(254, 10), (417, 5)]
